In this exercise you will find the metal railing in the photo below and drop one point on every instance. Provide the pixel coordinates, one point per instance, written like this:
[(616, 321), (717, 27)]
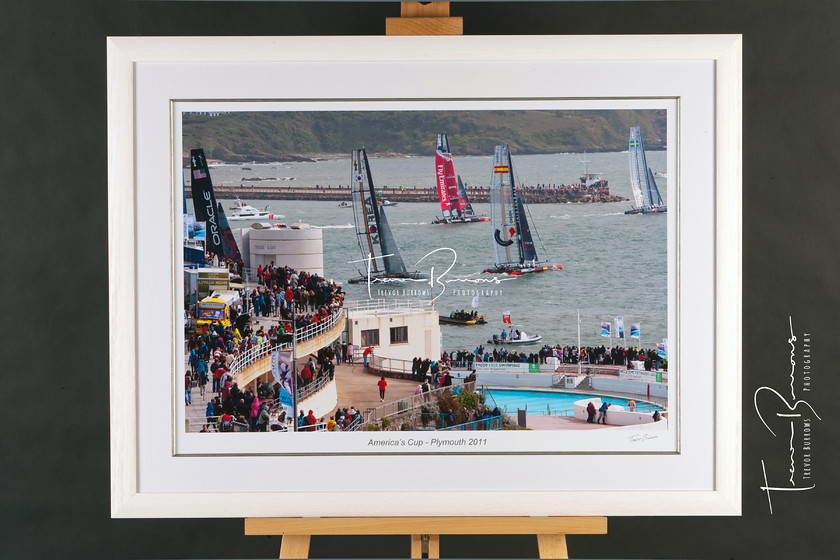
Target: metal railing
[(464, 365), (484, 424), (392, 365), (387, 307), (313, 387), (301, 335), (408, 404), (589, 369)]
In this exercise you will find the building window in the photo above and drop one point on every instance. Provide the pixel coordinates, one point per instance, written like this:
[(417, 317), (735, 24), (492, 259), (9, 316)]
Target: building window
[(370, 338), (399, 335)]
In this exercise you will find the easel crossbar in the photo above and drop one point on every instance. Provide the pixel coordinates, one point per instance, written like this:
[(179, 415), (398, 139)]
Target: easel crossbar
[(428, 525)]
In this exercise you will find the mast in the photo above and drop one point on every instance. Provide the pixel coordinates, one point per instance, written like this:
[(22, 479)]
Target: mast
[(447, 183), (518, 211), (502, 207), (390, 253), (440, 174), (363, 216), (638, 167)]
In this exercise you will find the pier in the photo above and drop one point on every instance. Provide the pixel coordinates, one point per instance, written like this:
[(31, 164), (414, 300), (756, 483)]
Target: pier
[(531, 195)]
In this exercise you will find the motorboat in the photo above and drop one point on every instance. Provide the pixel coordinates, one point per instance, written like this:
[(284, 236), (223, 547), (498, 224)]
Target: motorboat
[(242, 211), (514, 337)]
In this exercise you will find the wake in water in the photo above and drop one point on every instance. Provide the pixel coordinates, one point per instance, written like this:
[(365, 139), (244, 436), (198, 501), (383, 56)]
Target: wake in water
[(345, 226), (567, 216), (413, 223)]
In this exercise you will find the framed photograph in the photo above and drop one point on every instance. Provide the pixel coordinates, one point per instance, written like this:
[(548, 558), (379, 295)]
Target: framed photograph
[(425, 276)]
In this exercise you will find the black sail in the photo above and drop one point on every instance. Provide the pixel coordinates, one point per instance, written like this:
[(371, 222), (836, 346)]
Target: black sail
[(205, 205)]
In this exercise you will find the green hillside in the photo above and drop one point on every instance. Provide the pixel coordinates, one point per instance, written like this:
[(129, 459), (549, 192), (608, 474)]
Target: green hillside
[(278, 136)]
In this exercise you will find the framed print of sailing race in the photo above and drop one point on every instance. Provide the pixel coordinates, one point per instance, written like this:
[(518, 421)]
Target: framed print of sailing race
[(510, 261)]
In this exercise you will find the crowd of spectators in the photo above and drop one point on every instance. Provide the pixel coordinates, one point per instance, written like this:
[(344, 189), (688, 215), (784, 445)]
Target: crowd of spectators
[(597, 355), (284, 293)]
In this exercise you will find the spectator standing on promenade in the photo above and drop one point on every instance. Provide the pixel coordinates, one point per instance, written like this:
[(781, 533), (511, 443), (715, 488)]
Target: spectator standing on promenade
[(368, 351), (350, 353), (210, 412), (226, 422), (188, 387), (590, 411), (202, 383), (382, 384), (602, 413)]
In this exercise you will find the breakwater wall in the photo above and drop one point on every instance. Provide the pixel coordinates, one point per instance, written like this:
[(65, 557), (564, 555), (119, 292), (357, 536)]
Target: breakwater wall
[(477, 195)]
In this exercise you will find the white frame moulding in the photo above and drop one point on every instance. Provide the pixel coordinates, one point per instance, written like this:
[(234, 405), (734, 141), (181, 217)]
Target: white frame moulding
[(128, 499)]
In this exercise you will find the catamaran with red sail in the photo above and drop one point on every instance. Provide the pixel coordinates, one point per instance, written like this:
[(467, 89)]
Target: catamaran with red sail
[(513, 244), (454, 203)]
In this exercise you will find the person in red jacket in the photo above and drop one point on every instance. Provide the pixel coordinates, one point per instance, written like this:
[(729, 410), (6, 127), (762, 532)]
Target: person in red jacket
[(226, 423), (368, 351), (310, 422), (382, 384)]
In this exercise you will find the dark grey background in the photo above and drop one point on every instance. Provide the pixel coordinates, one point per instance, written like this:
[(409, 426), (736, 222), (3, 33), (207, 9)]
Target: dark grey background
[(54, 473)]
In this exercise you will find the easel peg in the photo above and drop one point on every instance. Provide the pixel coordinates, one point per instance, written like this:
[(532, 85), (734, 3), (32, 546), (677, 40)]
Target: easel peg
[(425, 546)]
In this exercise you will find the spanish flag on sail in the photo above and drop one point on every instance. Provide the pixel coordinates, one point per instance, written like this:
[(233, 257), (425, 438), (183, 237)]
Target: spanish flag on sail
[(501, 169)]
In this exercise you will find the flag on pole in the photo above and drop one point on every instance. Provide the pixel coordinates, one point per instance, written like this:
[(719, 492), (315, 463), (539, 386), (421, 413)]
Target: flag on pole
[(287, 401), (619, 326), (475, 302), (662, 348), (605, 329), (635, 330), (506, 317), (281, 370)]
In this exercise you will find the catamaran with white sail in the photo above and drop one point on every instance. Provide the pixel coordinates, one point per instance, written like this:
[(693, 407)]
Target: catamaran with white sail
[(376, 242), (454, 202), (645, 193), (513, 244)]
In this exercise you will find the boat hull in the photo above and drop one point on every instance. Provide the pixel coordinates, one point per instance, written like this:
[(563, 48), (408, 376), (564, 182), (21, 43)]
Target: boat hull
[(516, 342), (517, 270), (453, 321), (659, 210), (471, 220)]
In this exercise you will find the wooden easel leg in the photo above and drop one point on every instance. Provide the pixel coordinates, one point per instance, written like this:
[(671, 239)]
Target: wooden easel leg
[(295, 546), (425, 546), (552, 546)]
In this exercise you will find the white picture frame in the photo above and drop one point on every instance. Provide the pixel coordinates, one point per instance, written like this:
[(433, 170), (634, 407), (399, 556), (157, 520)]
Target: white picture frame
[(152, 481)]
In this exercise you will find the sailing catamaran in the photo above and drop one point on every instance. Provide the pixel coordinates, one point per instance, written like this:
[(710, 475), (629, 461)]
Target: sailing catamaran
[(645, 193), (513, 245), (220, 239), (454, 203), (376, 242)]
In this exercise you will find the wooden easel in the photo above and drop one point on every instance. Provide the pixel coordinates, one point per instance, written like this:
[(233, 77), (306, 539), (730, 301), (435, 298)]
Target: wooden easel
[(550, 531), (425, 18)]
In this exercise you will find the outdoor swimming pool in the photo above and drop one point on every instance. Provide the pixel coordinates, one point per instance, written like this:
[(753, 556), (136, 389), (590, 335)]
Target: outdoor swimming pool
[(549, 402)]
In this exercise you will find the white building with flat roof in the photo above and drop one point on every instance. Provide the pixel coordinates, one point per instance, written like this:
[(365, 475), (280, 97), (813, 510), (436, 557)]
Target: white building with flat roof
[(401, 330)]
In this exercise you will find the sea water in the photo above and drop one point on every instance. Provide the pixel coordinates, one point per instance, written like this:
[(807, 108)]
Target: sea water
[(614, 265)]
